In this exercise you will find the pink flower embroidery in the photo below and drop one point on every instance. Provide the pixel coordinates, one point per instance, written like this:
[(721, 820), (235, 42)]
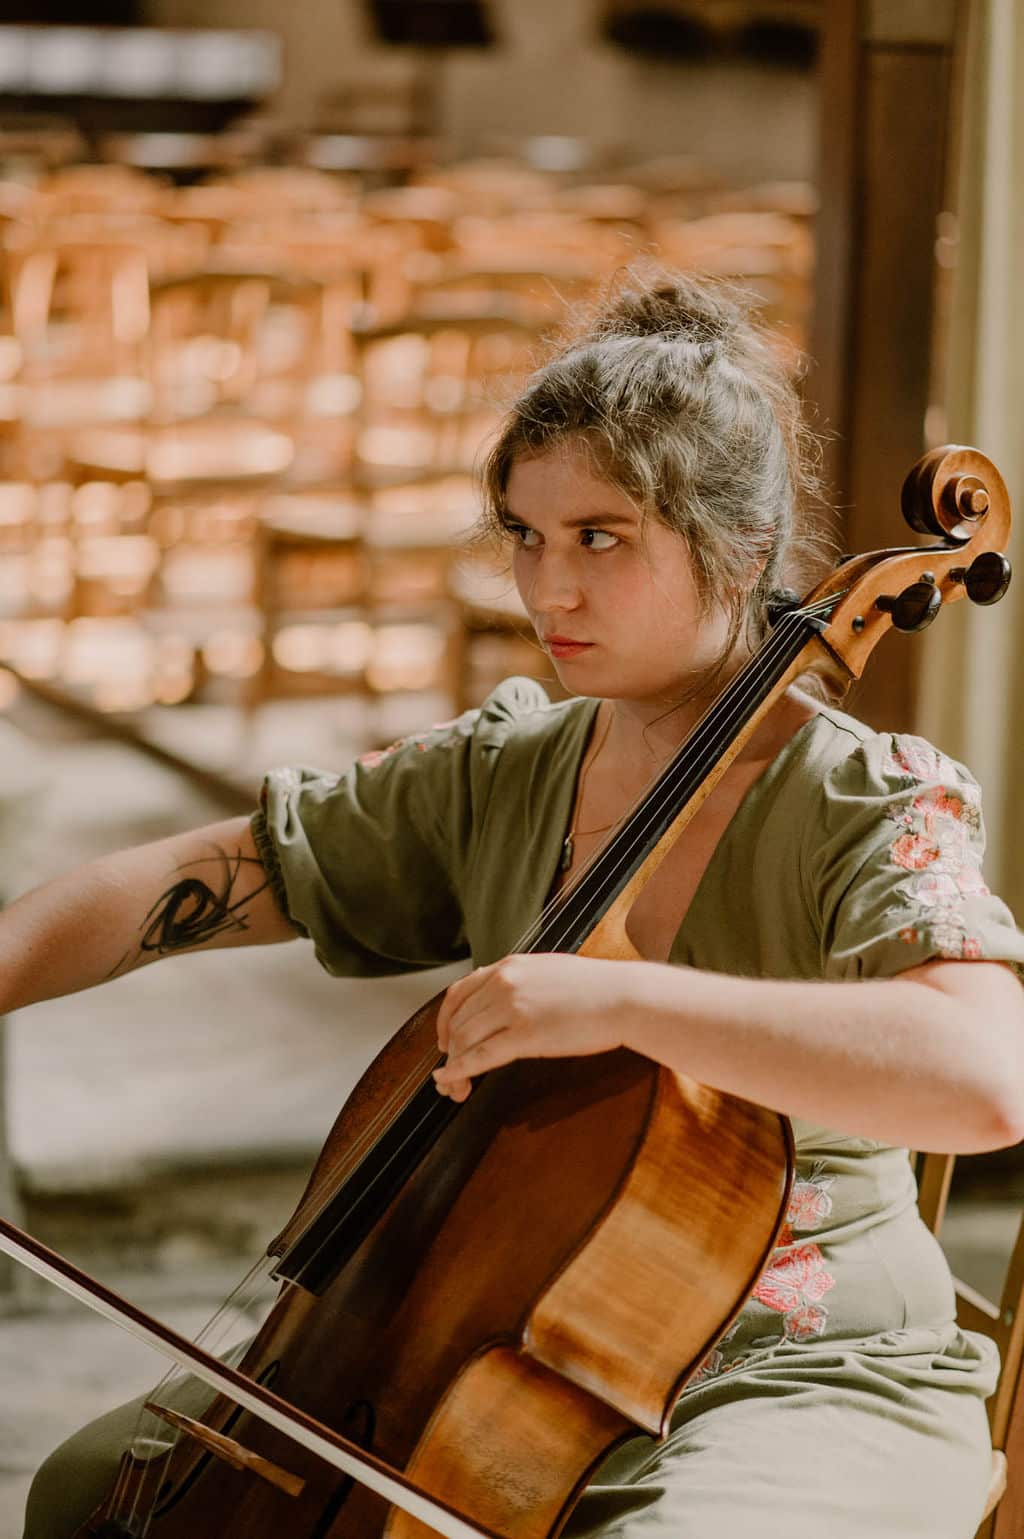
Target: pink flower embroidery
[(710, 1368), (936, 888), (810, 1202), (796, 1277), (793, 1278), (802, 1324), (971, 882), (914, 851), (937, 802), (934, 844), (918, 760), (419, 740)]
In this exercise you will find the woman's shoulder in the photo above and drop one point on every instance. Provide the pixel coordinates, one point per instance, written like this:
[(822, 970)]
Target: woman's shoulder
[(516, 709), (519, 715), (849, 758)]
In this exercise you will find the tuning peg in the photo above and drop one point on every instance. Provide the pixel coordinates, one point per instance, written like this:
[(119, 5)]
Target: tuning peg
[(986, 579), (915, 607)]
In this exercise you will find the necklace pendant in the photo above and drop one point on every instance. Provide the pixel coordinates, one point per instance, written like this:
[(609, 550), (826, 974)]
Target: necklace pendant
[(567, 854)]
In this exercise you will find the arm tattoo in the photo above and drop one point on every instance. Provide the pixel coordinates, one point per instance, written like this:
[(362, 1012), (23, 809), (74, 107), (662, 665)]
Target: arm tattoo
[(190, 912)]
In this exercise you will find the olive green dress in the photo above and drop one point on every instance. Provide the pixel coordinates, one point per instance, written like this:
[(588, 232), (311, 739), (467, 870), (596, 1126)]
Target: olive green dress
[(855, 855)]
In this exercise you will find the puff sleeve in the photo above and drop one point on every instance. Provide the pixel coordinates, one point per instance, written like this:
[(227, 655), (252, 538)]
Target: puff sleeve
[(895, 872), (371, 864)]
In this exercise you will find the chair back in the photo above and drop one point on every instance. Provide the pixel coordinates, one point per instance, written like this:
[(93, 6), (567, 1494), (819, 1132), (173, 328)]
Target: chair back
[(1003, 1321)]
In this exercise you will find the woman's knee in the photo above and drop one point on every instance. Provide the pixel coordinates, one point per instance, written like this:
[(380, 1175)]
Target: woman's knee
[(73, 1481)]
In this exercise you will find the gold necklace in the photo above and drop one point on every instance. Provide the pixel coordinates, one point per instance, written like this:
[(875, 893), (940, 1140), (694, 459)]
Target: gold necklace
[(569, 842)]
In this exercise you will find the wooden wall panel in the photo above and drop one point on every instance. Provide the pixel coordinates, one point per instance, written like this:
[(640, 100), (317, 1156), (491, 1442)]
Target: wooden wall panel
[(886, 80)]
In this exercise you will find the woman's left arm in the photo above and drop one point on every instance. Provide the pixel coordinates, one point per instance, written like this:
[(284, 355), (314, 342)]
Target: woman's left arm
[(931, 1059)]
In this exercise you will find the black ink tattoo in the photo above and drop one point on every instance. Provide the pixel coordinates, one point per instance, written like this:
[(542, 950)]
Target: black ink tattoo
[(191, 913)]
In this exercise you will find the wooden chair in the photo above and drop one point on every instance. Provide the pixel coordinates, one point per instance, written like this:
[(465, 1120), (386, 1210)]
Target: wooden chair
[(493, 636), (99, 188), (493, 186), (770, 254), (1004, 1323), (78, 298), (430, 388)]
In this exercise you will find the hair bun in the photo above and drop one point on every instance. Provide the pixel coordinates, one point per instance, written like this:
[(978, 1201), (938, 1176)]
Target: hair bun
[(704, 313)]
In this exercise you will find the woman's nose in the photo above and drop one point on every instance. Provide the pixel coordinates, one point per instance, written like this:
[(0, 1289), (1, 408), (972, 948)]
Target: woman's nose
[(552, 585)]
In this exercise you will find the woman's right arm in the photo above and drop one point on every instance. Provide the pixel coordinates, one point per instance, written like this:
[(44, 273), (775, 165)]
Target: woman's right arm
[(194, 891)]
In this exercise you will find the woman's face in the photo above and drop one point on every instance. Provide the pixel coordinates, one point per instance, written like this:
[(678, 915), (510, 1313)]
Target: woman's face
[(611, 597)]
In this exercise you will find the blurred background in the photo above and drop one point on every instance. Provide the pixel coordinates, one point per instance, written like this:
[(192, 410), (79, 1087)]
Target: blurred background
[(268, 275)]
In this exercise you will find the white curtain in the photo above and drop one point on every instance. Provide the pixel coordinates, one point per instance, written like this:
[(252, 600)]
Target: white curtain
[(971, 702)]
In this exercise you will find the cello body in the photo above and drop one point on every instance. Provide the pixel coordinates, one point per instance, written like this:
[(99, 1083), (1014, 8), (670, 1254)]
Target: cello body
[(538, 1291)]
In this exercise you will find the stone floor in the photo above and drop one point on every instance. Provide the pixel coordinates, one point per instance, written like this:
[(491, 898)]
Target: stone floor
[(162, 1126)]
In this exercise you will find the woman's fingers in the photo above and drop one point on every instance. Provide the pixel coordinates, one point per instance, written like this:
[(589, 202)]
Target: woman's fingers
[(490, 1052), (455, 997)]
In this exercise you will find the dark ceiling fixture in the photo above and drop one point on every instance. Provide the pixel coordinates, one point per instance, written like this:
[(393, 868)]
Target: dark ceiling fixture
[(71, 13), (433, 23), (777, 42), (769, 31), (661, 33)]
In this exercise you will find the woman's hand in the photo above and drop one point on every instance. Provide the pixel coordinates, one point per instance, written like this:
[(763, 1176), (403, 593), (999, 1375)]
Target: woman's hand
[(553, 1005)]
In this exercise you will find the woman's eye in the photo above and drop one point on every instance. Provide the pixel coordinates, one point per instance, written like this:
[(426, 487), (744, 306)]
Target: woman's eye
[(523, 535), (599, 539)]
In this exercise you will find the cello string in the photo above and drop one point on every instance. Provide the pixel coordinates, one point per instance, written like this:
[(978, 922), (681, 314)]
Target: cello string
[(727, 705), (368, 1186), (242, 1299)]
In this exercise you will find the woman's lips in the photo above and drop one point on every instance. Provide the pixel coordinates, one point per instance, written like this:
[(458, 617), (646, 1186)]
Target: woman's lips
[(565, 647)]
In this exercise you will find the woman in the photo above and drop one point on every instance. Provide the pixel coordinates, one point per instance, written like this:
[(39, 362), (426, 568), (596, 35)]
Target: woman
[(819, 941)]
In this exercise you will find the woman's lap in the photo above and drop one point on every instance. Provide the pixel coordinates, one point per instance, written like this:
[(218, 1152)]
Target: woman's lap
[(814, 1443)]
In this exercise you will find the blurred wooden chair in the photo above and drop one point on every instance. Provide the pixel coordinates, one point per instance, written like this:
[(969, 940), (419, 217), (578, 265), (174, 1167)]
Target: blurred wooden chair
[(262, 191), (38, 142), (367, 268), (77, 296), (770, 254), (91, 189), (79, 312), (493, 636), (204, 482), (1004, 1323), (236, 339), (310, 590), (231, 357), (492, 186), (432, 388)]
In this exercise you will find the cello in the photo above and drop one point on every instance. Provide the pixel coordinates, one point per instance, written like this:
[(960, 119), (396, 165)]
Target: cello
[(446, 1305)]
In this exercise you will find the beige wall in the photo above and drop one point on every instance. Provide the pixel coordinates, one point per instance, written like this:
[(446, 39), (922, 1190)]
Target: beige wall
[(551, 75), (973, 687)]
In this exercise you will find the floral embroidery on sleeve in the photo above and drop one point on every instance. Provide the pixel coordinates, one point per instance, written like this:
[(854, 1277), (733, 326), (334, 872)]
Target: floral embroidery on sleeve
[(935, 847), (421, 741)]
